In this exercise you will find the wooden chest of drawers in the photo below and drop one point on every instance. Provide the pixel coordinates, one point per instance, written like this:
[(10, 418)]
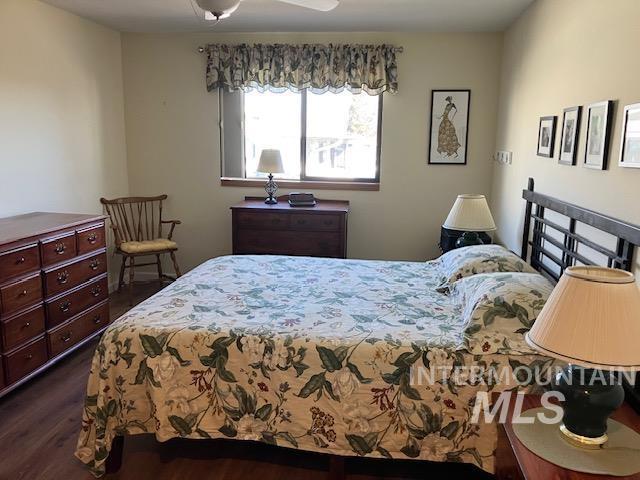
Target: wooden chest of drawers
[(53, 290), (280, 229)]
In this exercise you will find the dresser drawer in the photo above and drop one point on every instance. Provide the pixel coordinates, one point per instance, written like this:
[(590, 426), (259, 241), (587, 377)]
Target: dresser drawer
[(317, 223), (2, 380), (90, 239), (63, 278), (315, 244), (263, 220), (19, 262), (69, 334), (22, 328), (25, 360), (58, 249), (21, 294), (64, 307)]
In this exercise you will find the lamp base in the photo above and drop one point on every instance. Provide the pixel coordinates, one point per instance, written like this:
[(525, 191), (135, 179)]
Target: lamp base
[(590, 396), (271, 188), (271, 201), (591, 443), (469, 238)]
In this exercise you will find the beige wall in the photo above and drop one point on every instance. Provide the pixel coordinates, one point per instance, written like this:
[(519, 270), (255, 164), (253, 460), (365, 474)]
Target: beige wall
[(62, 138), (173, 139), (561, 54), (62, 142)]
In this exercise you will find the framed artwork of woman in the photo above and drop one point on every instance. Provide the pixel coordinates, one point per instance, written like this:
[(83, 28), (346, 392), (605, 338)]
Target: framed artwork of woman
[(449, 130)]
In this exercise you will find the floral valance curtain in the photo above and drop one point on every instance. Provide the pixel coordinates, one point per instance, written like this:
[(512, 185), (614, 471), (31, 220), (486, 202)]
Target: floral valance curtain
[(320, 68)]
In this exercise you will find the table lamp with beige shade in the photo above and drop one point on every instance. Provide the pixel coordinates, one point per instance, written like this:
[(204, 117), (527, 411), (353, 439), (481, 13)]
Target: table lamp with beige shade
[(470, 214), (270, 162), (592, 322)]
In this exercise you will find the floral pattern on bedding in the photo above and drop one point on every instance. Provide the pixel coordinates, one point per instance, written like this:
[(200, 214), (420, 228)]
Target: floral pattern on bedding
[(315, 354), (466, 261)]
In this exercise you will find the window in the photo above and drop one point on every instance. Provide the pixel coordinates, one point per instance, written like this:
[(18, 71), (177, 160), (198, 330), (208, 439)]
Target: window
[(322, 137)]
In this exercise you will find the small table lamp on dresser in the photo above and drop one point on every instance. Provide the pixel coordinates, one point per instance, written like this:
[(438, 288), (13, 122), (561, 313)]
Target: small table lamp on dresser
[(592, 322), (270, 162), (467, 223)]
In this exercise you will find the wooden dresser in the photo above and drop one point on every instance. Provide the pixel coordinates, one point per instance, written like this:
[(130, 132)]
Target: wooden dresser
[(53, 290), (280, 229)]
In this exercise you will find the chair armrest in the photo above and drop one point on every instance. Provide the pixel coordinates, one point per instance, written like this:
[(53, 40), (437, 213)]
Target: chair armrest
[(173, 225)]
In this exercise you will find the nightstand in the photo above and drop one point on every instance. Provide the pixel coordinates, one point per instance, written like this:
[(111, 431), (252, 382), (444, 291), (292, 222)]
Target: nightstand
[(515, 462)]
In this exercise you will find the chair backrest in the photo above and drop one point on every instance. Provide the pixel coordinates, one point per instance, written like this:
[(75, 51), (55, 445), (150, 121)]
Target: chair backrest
[(135, 218)]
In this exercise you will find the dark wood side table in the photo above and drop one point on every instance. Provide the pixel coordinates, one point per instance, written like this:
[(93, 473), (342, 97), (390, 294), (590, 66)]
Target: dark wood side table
[(281, 229), (514, 461)]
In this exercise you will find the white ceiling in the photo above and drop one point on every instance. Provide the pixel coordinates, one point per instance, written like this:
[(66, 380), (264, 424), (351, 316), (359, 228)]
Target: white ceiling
[(273, 16)]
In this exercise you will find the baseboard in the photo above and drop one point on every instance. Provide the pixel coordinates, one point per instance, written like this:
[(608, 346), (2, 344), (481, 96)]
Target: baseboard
[(140, 276)]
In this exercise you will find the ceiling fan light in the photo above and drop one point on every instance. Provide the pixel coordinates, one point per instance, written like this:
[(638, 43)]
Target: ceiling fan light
[(218, 9)]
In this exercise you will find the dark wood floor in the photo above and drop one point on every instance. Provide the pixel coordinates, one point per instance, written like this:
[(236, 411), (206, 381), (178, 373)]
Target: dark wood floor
[(39, 426)]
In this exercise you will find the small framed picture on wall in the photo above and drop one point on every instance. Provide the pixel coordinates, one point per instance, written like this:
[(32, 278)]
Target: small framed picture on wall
[(449, 129), (546, 136), (599, 119), (630, 144), (569, 136)]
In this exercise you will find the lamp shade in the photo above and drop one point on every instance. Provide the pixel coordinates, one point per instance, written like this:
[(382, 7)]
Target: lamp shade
[(270, 161), (591, 319), (470, 213)]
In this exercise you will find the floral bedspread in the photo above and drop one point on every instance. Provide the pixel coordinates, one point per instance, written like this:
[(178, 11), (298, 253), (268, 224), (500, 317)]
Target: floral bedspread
[(308, 353)]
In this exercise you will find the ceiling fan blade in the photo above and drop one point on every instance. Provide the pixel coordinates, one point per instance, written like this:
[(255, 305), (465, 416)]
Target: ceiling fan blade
[(322, 5)]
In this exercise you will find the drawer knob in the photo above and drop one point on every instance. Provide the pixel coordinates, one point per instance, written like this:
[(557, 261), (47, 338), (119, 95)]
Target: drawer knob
[(275, 220), (97, 320), (92, 238), (59, 248), (328, 222), (301, 221), (20, 260), (26, 325), (66, 338), (96, 291), (63, 277), (65, 306), (29, 357), (94, 265), (23, 293)]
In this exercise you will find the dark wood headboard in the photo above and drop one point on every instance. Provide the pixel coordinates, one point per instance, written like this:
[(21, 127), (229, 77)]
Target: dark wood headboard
[(552, 245)]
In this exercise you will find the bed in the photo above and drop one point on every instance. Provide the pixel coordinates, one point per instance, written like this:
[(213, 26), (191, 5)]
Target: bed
[(319, 355)]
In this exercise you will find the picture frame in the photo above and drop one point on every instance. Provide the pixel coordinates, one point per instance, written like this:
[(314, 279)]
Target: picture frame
[(599, 120), (449, 127), (546, 136), (630, 138), (570, 135)]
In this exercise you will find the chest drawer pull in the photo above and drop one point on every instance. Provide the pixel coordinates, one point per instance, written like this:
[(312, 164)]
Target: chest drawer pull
[(96, 291), (67, 337), (65, 306), (328, 222), (21, 260), (26, 325), (24, 293), (63, 277), (59, 248), (94, 265), (97, 319), (92, 238), (29, 356), (301, 221)]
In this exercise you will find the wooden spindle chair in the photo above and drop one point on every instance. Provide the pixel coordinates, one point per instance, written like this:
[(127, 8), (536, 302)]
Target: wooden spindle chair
[(137, 225)]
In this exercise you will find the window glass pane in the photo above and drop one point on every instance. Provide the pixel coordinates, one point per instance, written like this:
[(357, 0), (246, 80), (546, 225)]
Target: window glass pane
[(342, 135), (272, 120)]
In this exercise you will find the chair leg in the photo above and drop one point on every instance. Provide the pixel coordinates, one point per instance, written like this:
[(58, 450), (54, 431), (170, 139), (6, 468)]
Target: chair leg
[(132, 263), (159, 264), (175, 264), (121, 277)]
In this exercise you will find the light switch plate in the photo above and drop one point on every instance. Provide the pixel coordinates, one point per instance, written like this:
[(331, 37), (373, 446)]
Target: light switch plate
[(503, 157)]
